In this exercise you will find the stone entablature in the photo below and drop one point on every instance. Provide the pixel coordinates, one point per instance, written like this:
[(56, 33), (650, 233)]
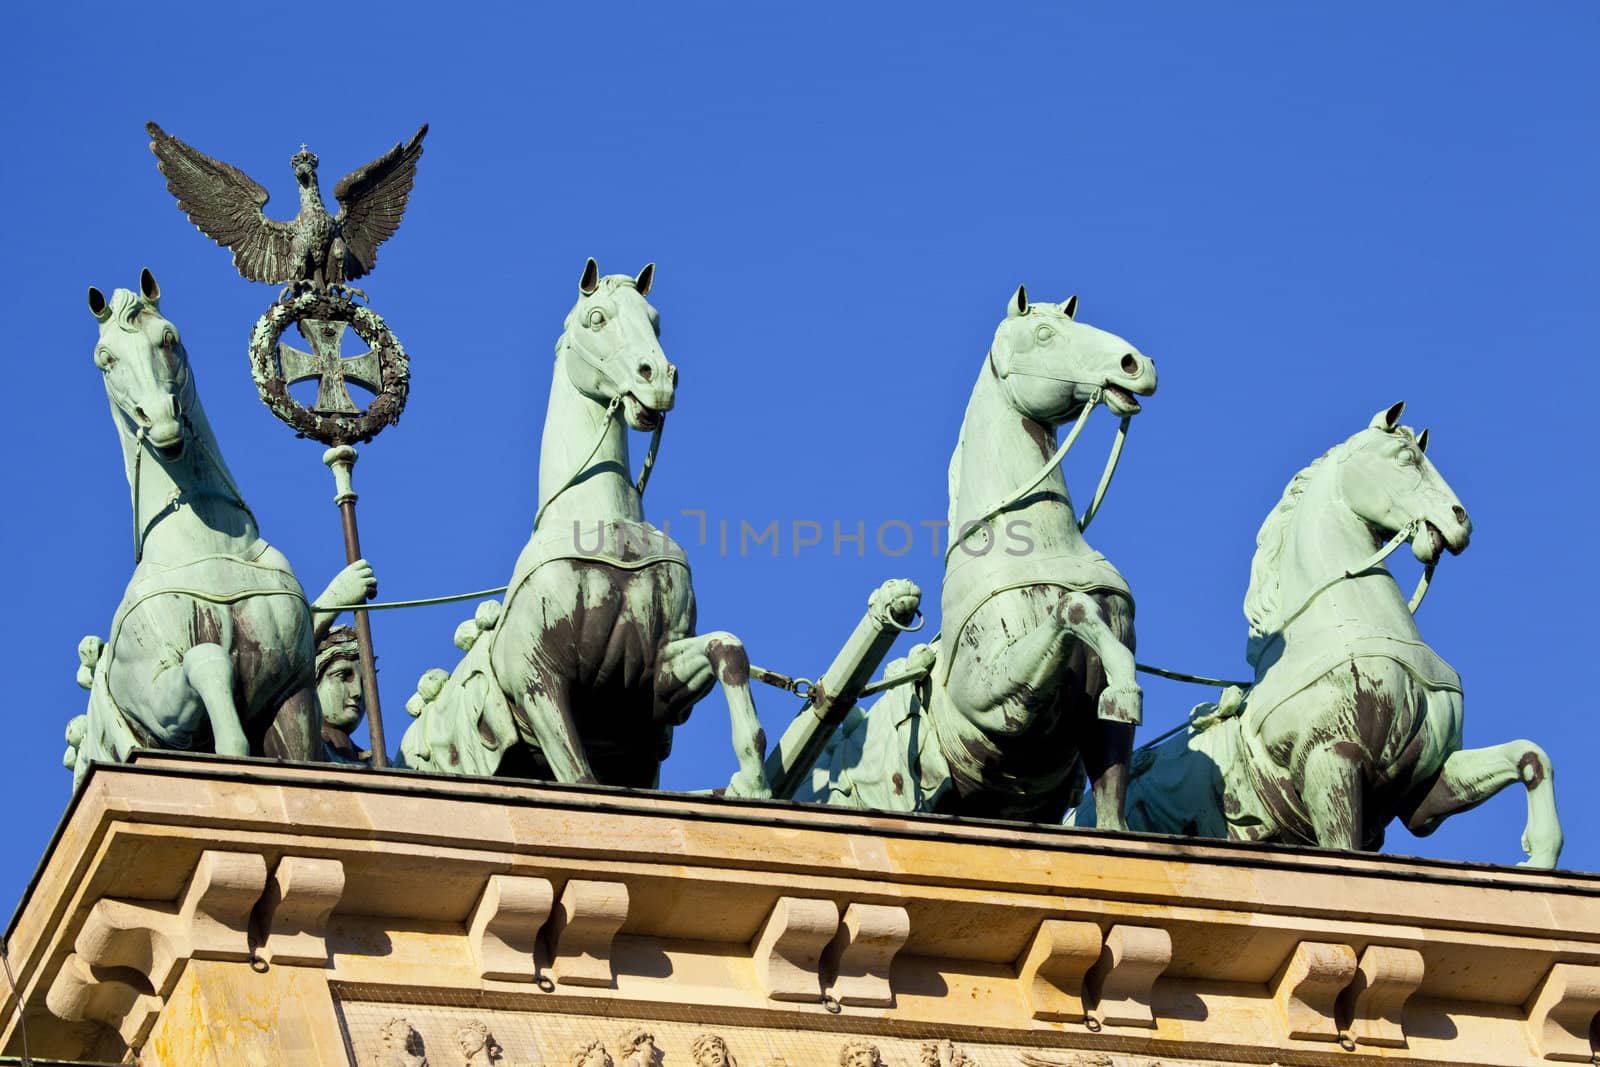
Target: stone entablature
[(207, 911)]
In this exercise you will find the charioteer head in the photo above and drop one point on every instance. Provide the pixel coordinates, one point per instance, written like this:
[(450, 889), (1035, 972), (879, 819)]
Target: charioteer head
[(339, 694)]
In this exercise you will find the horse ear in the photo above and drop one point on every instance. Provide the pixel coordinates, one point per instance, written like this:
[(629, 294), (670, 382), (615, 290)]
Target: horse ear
[(1388, 420), (1069, 307), (591, 278), (98, 306), (1422, 440), (1019, 302), (645, 278), (148, 288)]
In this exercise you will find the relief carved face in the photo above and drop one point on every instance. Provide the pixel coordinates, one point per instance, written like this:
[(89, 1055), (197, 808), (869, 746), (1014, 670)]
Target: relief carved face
[(860, 1054), (711, 1051)]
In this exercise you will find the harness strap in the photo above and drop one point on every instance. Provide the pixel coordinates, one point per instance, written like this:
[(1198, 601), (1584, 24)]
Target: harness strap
[(1401, 536), (605, 428), (139, 529), (1027, 487), (1107, 474)]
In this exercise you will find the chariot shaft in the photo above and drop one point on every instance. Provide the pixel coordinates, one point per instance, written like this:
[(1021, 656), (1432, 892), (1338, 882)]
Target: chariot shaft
[(832, 697), (341, 461)]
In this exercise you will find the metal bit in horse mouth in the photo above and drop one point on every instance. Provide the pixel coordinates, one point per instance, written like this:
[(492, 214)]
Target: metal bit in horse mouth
[(1120, 401)]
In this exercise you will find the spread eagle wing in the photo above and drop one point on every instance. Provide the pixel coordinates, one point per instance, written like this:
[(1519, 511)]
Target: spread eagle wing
[(372, 199), (225, 204)]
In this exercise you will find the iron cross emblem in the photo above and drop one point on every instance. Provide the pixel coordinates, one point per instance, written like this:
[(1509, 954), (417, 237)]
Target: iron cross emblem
[(332, 370)]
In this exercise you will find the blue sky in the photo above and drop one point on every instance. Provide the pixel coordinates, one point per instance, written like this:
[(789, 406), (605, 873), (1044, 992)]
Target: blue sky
[(1302, 215)]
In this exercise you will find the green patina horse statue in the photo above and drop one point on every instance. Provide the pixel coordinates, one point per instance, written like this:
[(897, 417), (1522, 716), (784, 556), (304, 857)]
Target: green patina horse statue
[(1352, 719), (593, 659), (212, 647), (1032, 682)]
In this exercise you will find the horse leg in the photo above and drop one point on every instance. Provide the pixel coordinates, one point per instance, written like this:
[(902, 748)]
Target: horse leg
[(1471, 776), (690, 663), (1031, 665), (547, 713), (209, 672), (1331, 787), (991, 681), (1106, 752), (295, 732), (1122, 700)]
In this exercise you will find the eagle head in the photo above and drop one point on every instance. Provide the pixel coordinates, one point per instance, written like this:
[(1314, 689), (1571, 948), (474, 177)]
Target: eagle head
[(305, 165)]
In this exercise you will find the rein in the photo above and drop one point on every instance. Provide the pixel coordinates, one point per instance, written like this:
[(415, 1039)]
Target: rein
[(142, 530), (605, 428), (1401, 536), (1115, 455)]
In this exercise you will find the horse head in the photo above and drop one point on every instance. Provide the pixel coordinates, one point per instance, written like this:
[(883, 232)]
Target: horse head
[(614, 333), (144, 363), (1051, 364), (1385, 477)]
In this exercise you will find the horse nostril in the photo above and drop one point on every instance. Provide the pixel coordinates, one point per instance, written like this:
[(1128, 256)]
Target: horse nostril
[(1460, 513), (645, 373), (141, 416), (1130, 364)]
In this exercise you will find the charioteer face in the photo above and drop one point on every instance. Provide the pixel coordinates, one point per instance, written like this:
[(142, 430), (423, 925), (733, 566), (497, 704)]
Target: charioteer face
[(339, 694)]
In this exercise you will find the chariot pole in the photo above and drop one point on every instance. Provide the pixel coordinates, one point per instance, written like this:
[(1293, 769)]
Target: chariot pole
[(341, 460)]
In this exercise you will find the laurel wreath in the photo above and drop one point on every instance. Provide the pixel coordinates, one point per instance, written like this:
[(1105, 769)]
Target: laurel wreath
[(394, 369)]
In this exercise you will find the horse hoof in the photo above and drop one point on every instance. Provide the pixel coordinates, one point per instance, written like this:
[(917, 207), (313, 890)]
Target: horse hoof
[(742, 786), (1122, 704)]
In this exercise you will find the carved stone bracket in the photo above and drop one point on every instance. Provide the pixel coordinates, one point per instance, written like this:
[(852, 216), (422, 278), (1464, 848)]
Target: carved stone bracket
[(1053, 969), (788, 954), (504, 929), (1562, 1011), (1307, 990), (863, 951), (1121, 983), (80, 993), (1375, 1002), (300, 897), (128, 956), (581, 931)]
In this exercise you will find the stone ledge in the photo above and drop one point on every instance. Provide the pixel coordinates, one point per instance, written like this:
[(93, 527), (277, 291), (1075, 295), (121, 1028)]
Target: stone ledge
[(439, 889)]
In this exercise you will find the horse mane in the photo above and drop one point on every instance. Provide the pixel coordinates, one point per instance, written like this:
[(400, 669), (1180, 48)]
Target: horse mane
[(125, 309), (1262, 607), (954, 481)]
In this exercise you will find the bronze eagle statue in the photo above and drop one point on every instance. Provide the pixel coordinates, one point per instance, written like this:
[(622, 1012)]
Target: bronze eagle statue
[(314, 248)]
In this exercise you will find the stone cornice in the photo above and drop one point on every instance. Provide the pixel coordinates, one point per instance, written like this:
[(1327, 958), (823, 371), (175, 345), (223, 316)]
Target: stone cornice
[(553, 898)]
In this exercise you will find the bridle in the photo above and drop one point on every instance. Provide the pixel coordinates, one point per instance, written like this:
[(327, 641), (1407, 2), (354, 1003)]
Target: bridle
[(1096, 397), (568, 345)]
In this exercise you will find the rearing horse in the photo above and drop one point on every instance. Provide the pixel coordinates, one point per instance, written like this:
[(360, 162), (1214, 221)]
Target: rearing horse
[(1353, 720), (212, 645), (593, 660), (1034, 679)]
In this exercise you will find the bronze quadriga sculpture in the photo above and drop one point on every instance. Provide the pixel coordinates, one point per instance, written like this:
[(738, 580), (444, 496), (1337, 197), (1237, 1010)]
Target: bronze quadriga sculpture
[(593, 659), (212, 646), (1352, 721), (1034, 676)]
